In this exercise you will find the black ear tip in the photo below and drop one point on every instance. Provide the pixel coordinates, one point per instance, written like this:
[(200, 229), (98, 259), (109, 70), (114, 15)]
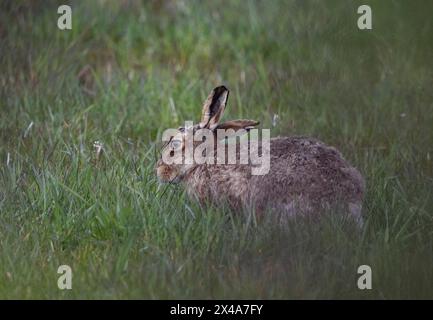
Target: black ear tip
[(220, 89)]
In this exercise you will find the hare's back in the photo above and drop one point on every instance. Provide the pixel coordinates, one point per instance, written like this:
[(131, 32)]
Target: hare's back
[(308, 168)]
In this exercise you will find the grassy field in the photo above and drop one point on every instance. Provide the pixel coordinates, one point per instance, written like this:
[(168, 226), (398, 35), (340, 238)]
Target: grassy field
[(128, 70)]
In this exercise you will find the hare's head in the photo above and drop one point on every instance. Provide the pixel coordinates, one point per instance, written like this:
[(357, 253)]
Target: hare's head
[(177, 141)]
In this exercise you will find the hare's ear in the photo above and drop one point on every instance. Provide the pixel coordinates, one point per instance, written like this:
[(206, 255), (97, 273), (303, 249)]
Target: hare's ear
[(238, 124), (213, 107)]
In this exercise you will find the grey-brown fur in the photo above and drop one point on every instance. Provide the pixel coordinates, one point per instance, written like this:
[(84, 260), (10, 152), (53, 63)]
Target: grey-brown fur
[(306, 176)]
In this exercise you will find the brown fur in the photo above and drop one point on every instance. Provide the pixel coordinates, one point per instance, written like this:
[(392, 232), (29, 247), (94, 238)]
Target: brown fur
[(305, 177)]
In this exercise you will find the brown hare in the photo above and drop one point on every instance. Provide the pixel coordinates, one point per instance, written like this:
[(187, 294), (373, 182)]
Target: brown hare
[(305, 176)]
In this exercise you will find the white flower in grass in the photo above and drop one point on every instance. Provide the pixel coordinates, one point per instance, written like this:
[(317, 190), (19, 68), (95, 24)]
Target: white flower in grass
[(99, 147)]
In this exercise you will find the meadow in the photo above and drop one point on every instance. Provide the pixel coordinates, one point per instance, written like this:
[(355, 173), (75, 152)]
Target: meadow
[(130, 69)]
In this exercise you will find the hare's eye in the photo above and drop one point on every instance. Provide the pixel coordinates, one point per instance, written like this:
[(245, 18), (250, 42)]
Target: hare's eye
[(175, 144)]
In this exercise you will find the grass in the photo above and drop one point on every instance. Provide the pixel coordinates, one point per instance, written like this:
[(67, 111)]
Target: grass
[(150, 66)]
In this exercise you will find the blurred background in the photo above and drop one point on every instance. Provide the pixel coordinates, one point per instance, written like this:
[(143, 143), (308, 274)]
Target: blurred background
[(130, 69)]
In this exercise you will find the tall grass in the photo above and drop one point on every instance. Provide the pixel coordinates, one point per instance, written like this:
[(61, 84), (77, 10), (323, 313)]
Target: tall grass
[(129, 69)]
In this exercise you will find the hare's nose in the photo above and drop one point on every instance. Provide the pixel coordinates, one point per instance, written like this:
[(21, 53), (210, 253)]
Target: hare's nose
[(159, 163)]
